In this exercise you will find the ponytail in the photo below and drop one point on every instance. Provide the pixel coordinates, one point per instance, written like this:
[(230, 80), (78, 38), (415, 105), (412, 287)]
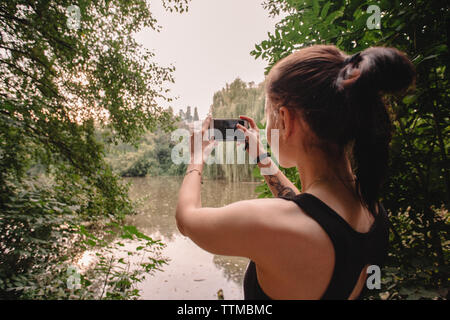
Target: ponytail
[(374, 72)]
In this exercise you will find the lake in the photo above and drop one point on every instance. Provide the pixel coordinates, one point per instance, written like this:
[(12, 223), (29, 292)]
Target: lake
[(191, 272)]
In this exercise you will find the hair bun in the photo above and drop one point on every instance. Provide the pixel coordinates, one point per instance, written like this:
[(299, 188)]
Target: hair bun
[(378, 69)]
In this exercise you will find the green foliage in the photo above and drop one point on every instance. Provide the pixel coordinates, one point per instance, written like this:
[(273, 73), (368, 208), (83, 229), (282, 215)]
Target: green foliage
[(418, 187), (120, 266), (43, 228), (152, 156), (57, 86), (33, 223)]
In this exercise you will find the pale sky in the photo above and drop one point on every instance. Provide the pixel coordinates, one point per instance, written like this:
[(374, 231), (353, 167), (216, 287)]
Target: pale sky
[(209, 46)]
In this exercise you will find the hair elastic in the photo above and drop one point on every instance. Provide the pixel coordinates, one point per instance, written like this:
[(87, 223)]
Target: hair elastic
[(352, 58)]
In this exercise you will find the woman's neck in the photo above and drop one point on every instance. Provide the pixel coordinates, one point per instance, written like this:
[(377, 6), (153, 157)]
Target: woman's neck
[(318, 167)]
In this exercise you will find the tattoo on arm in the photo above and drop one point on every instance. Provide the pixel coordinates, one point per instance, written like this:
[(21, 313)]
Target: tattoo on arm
[(279, 187)]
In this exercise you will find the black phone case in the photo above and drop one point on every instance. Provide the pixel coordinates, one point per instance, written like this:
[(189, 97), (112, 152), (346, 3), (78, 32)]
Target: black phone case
[(223, 124)]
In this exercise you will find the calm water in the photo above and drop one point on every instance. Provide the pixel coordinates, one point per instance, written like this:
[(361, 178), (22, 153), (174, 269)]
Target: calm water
[(191, 273)]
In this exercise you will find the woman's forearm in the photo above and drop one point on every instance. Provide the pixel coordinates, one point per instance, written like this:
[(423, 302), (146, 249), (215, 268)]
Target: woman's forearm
[(189, 195), (278, 183)]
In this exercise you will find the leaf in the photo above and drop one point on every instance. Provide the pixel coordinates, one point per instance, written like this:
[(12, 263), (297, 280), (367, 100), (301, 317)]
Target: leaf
[(430, 57), (90, 242), (325, 9), (333, 16), (409, 99), (316, 8)]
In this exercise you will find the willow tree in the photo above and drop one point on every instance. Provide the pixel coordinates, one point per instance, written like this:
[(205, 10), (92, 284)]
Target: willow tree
[(66, 70), (236, 98)]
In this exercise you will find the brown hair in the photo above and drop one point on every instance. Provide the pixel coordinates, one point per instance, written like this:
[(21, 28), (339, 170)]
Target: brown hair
[(340, 97)]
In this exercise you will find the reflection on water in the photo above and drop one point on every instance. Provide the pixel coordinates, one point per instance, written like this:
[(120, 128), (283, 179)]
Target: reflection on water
[(192, 273)]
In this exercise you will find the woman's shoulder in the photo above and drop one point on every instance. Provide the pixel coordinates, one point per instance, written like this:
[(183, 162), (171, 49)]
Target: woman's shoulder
[(293, 241), (278, 211), (287, 224)]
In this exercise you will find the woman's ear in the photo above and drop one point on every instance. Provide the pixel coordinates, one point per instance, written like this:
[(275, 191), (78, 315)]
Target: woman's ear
[(286, 119)]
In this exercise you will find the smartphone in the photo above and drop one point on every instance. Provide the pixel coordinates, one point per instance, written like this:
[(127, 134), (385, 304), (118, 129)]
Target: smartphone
[(228, 130)]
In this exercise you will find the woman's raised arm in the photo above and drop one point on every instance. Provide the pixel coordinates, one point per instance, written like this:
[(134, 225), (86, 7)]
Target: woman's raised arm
[(277, 182)]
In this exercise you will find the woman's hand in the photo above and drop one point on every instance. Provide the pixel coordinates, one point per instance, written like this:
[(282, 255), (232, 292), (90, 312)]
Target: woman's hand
[(256, 147), (201, 147)]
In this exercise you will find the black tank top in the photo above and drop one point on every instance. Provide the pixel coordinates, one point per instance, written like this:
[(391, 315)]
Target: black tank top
[(353, 250)]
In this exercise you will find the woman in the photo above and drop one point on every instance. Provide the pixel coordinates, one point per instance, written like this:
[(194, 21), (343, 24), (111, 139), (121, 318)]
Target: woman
[(334, 127)]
